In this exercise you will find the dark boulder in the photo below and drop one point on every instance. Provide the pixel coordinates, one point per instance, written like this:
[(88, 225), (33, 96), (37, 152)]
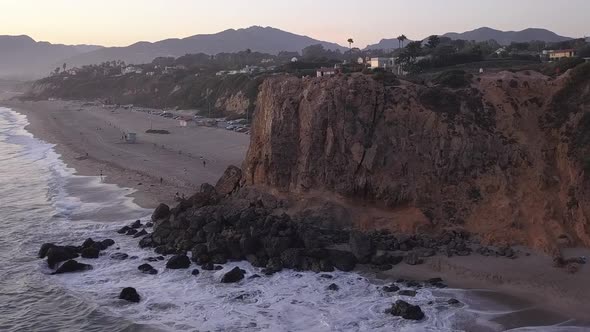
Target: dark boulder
[(146, 242), (129, 294), (146, 268), (406, 311), (119, 256), (108, 243), (195, 272), (72, 266), (178, 262), (123, 230), (136, 224), (131, 231), (87, 243), (407, 292), (44, 249), (342, 260), (58, 254), (141, 233), (149, 224), (361, 246), (160, 213), (208, 266), (333, 287), (90, 252), (236, 274), (453, 302), (390, 288)]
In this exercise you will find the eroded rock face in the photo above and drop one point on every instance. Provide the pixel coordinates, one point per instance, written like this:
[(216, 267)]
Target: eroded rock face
[(503, 162), (229, 181)]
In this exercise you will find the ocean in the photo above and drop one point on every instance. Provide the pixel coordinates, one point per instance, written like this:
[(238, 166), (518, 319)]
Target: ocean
[(41, 200)]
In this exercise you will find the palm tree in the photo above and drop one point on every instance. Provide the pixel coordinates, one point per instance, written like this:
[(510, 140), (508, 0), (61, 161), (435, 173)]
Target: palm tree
[(399, 41), (350, 42)]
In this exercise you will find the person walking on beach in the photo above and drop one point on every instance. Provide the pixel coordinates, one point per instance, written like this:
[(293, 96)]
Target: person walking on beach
[(161, 180), (204, 163), (101, 175)]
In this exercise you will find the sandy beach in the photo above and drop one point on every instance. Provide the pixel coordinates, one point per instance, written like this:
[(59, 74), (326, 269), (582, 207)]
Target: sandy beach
[(157, 166)]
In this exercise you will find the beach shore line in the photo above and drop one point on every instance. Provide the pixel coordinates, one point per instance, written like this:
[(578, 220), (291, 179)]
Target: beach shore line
[(88, 139)]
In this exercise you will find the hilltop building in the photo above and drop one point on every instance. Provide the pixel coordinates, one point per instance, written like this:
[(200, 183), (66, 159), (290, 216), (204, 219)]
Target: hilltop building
[(555, 55)]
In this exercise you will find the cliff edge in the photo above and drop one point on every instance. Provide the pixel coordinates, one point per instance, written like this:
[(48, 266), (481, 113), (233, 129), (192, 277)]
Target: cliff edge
[(502, 155)]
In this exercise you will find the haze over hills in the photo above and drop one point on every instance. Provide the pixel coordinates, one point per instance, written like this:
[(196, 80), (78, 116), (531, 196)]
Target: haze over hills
[(260, 39), (507, 37), (21, 57)]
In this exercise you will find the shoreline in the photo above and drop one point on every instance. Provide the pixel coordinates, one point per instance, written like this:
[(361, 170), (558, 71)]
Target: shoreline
[(530, 278), (97, 148)]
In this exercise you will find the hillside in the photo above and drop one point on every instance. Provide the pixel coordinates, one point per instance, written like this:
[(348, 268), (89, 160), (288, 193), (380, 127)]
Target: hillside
[(507, 37), (258, 39), (503, 156), (21, 57)]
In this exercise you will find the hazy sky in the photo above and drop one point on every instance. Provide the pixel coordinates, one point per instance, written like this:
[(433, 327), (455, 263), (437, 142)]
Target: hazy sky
[(122, 22)]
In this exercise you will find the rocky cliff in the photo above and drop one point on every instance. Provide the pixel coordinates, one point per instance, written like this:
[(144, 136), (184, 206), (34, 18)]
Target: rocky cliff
[(502, 155)]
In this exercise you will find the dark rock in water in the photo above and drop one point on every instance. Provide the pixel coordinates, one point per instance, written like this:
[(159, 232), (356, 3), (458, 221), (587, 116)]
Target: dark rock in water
[(439, 285), (434, 280), (123, 230), (235, 275), (59, 254), (274, 264), (218, 267), (390, 289), (333, 287), (108, 242), (256, 261), (119, 256), (229, 181), (129, 294), (254, 276), (208, 266), (160, 258), (195, 272), (178, 262), (146, 242), (72, 266), (361, 246), (413, 259), (132, 231), (268, 272), (152, 259), (406, 311), (140, 233), (90, 252), (165, 250), (218, 259), (407, 292), (149, 224), (160, 213), (326, 276), (145, 267), (412, 283), (44, 248), (136, 224), (453, 302), (342, 260), (87, 243)]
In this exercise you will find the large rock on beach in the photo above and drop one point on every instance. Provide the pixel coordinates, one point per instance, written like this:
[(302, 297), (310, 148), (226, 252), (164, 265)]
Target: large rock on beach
[(129, 294), (236, 274), (90, 252), (72, 266), (342, 260), (406, 311), (59, 254), (178, 262), (361, 246), (229, 181), (160, 213)]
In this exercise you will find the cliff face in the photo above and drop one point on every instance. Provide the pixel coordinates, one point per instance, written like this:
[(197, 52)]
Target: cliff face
[(502, 157)]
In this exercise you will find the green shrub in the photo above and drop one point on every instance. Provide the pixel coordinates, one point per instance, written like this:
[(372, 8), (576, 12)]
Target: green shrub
[(453, 79)]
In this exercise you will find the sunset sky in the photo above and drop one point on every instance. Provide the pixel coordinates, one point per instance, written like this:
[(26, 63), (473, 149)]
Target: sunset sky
[(122, 22)]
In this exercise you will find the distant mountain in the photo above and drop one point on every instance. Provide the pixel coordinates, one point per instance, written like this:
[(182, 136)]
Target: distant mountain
[(386, 44), (261, 39), (21, 57), (507, 37)]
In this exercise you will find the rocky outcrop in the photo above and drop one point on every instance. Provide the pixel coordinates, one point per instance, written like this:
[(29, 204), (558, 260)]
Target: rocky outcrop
[(504, 157)]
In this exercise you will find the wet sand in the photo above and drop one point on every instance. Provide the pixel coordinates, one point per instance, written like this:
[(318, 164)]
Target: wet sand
[(89, 139), (526, 291)]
